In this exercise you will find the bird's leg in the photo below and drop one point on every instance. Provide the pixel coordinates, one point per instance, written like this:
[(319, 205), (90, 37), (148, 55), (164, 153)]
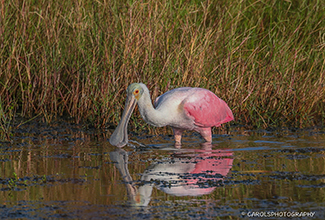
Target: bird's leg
[(206, 134), (178, 136)]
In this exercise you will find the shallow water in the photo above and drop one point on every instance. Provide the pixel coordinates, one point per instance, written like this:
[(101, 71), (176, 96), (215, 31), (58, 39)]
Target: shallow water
[(63, 171)]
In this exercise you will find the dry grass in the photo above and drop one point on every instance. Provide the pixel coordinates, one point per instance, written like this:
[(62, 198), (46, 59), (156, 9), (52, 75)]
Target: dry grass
[(76, 58)]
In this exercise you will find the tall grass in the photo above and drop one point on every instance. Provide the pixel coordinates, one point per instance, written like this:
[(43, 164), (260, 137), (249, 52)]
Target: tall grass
[(266, 59)]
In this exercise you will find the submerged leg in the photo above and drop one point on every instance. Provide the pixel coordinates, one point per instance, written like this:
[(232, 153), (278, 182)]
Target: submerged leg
[(178, 136), (206, 134)]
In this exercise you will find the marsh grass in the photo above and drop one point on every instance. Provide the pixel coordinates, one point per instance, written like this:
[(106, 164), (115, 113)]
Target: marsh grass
[(6, 117), (76, 58)]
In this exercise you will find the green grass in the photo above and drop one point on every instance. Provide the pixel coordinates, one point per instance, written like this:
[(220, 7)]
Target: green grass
[(266, 59)]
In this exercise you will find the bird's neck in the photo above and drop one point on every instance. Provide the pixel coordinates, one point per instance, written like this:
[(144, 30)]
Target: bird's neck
[(149, 113)]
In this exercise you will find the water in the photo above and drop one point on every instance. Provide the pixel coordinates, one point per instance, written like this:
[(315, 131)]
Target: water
[(64, 171)]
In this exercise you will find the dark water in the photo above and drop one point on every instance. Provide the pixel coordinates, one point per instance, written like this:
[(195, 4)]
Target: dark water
[(63, 171)]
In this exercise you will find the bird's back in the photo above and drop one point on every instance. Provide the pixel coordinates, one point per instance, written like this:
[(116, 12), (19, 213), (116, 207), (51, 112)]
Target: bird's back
[(201, 105), (173, 97)]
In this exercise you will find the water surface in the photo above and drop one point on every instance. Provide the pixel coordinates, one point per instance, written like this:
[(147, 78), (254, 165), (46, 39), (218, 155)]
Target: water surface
[(65, 171)]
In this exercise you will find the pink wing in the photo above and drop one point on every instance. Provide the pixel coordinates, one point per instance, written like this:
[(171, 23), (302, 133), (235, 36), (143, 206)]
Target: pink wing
[(207, 109)]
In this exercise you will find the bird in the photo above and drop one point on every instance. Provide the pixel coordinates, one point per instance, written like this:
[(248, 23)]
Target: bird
[(184, 108)]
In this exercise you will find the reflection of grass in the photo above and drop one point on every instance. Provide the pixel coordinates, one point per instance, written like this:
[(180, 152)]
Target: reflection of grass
[(76, 58), (290, 174), (14, 183)]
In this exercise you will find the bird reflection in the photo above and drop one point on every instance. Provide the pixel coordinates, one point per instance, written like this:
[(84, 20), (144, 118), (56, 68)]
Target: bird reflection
[(189, 172)]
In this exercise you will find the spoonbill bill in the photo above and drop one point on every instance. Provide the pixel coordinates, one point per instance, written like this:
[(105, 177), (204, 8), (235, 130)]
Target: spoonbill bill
[(184, 108)]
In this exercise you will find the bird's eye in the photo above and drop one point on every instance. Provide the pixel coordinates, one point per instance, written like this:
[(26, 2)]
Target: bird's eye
[(136, 92)]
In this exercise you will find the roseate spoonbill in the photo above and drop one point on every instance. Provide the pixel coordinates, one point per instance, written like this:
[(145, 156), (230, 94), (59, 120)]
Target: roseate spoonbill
[(183, 108)]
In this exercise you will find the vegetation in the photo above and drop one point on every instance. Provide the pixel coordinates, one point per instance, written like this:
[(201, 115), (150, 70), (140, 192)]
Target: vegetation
[(266, 59)]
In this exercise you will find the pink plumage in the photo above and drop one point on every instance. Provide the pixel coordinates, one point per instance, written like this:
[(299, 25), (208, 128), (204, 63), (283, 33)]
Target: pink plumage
[(207, 109)]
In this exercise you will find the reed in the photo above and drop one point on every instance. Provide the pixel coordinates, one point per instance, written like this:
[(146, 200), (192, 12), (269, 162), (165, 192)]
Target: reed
[(76, 58)]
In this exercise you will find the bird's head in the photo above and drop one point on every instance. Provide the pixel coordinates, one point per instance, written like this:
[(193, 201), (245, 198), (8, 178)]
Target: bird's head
[(136, 90)]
